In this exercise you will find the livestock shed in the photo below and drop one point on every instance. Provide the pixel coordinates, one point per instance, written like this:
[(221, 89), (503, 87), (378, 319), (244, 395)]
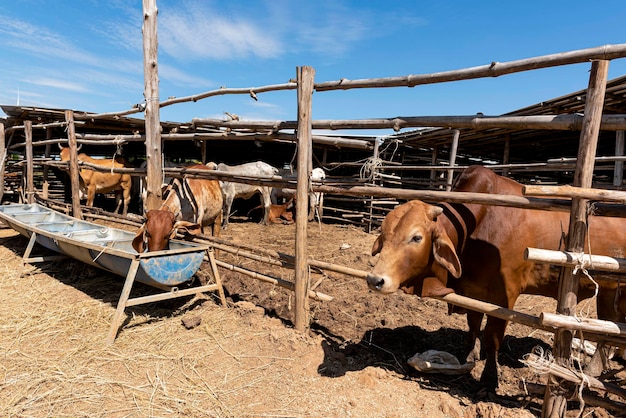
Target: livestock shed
[(415, 159)]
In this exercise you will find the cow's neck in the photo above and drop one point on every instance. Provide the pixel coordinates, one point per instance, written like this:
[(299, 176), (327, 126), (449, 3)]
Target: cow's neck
[(459, 222)]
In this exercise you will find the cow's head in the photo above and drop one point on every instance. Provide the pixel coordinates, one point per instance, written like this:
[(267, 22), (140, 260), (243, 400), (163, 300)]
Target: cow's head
[(160, 227), (415, 252), (64, 153)]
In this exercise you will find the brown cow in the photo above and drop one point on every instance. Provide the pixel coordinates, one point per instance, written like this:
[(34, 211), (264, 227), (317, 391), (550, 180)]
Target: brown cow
[(279, 214), (189, 204), (478, 251), (99, 182)]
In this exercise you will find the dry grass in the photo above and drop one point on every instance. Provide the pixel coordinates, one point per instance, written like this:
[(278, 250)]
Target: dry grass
[(54, 360)]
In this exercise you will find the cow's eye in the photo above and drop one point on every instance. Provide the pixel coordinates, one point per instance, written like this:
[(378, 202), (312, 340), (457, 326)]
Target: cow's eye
[(416, 239)]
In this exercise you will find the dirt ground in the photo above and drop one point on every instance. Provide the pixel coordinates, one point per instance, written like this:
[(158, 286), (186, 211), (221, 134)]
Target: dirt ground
[(244, 360)]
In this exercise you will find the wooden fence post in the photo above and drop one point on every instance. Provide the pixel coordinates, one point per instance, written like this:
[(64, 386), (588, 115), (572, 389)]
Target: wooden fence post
[(305, 77), (77, 212), (30, 181), (154, 167), (618, 170), (555, 401), (3, 161), (453, 149)]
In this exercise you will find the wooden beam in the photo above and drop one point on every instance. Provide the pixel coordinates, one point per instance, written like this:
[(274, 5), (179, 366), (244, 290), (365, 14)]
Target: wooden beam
[(494, 69)]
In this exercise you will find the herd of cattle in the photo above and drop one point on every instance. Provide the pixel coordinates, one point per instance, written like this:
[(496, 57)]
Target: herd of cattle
[(471, 249), (191, 204)]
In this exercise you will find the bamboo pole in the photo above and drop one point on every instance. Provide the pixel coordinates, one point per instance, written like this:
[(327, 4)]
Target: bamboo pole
[(494, 69), (74, 171), (575, 192), (571, 259), (555, 404), (305, 77), (154, 177), (30, 180), (546, 122), (597, 326), (273, 280)]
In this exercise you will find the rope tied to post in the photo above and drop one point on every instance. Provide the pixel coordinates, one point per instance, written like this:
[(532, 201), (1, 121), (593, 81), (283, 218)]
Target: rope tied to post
[(118, 141)]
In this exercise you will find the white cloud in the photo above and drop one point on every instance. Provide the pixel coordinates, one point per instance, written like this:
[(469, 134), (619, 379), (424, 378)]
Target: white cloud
[(40, 41), (182, 78), (57, 84), (197, 32)]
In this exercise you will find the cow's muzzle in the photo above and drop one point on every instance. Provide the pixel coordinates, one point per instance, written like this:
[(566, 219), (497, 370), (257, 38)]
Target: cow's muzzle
[(375, 282)]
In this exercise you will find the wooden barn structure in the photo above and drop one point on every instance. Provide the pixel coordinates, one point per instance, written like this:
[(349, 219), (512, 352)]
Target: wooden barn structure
[(576, 125)]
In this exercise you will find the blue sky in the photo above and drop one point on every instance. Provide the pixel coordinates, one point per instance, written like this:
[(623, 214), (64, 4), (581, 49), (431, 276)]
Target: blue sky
[(87, 55)]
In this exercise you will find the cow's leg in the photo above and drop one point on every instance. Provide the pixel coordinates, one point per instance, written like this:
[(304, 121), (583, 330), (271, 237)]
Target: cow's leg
[(474, 320), (228, 203), (126, 195), (91, 195), (267, 203), (311, 206), (492, 340)]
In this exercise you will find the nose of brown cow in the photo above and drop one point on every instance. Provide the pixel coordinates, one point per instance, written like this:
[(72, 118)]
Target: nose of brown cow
[(375, 282)]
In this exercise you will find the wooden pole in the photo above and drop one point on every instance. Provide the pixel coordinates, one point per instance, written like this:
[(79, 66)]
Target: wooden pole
[(506, 155), (433, 163), (555, 404), (305, 78), (30, 181), (154, 167), (371, 203), (46, 169), (618, 171), (3, 160), (77, 212), (454, 147)]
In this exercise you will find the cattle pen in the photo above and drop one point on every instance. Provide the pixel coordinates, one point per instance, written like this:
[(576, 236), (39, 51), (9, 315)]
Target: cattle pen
[(375, 190)]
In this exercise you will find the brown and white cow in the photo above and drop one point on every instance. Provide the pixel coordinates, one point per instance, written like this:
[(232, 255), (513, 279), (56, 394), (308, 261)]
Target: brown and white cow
[(478, 251), (189, 204), (99, 182)]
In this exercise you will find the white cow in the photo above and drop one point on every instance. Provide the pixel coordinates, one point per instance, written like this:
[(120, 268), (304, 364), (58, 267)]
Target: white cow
[(316, 199), (232, 190)]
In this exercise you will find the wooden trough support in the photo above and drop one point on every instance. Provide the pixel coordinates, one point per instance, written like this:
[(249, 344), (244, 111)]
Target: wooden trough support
[(170, 292), (125, 300)]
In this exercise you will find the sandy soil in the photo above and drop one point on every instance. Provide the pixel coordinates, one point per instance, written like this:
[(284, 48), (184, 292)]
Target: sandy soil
[(244, 359)]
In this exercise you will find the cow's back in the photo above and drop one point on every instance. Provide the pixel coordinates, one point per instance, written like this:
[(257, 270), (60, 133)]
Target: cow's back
[(197, 200), (496, 246)]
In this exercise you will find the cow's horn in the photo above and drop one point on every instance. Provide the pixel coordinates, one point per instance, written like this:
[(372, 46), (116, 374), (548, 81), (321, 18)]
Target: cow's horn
[(435, 211)]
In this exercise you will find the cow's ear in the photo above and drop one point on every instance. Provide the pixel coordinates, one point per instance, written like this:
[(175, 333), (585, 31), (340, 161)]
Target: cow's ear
[(139, 241), (445, 254), (433, 287), (378, 245), (188, 227)]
